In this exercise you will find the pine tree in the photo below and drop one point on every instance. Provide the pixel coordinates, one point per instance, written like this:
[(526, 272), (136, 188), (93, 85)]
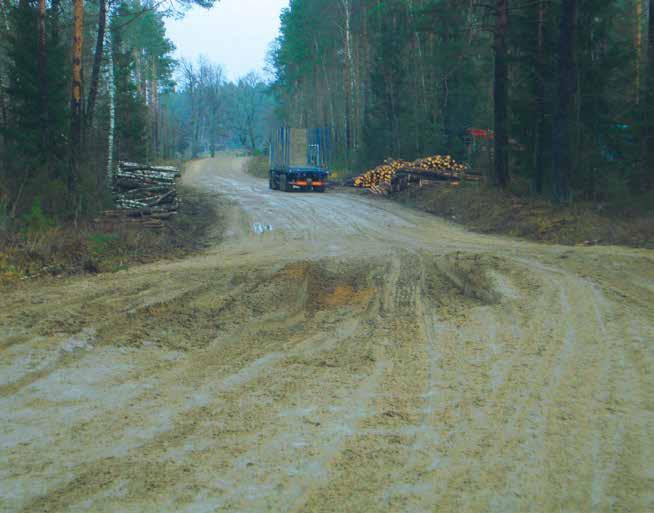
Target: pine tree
[(76, 149)]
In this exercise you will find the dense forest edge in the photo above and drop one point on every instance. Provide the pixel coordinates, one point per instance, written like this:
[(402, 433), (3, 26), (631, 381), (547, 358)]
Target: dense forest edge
[(85, 85), (555, 94), (551, 101)]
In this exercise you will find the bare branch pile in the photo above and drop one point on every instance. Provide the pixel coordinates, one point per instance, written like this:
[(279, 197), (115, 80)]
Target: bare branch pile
[(437, 167)]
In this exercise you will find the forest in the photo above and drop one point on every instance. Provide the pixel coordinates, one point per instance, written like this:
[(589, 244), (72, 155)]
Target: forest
[(84, 85), (562, 92), (548, 98)]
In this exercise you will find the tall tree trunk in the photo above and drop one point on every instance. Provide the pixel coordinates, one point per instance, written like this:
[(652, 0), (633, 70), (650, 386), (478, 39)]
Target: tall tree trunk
[(154, 109), (5, 6), (4, 80), (648, 139), (391, 88), (4, 156), (567, 87), (638, 45), (330, 96), (43, 79), (97, 62), (195, 120), (420, 86), (349, 77), (111, 86), (76, 96), (539, 153), (252, 137), (365, 79), (446, 112), (500, 95)]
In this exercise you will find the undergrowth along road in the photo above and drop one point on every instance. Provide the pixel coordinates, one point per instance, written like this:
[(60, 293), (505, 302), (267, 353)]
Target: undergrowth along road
[(108, 245)]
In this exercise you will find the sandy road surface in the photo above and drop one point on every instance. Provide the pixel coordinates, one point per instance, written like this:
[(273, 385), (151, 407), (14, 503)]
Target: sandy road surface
[(333, 354)]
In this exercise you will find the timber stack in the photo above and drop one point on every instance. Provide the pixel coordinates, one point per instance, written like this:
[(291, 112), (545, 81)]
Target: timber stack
[(144, 194), (394, 175)]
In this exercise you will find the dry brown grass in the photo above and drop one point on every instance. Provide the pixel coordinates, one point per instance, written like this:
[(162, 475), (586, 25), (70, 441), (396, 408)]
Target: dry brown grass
[(490, 211), (92, 248), (257, 166)]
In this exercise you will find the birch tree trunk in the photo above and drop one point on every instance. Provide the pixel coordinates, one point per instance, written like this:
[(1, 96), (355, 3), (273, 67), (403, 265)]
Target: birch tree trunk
[(154, 107), (111, 87), (349, 77)]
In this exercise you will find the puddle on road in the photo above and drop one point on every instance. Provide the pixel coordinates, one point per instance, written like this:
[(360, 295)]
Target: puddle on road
[(261, 228)]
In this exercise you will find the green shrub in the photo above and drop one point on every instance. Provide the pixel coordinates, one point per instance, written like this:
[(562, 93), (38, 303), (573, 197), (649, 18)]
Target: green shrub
[(4, 215), (36, 220), (100, 243), (618, 188)]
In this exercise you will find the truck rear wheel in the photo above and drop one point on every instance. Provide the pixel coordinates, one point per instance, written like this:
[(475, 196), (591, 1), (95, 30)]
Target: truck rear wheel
[(319, 189), (282, 183)]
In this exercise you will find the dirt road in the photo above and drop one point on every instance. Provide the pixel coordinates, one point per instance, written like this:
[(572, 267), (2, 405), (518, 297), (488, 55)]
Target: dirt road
[(333, 354)]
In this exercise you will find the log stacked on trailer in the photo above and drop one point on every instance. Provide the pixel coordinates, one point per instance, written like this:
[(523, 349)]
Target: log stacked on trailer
[(438, 167)]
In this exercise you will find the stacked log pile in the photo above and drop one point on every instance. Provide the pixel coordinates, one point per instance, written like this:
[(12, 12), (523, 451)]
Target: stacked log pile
[(386, 177), (380, 175), (143, 194)]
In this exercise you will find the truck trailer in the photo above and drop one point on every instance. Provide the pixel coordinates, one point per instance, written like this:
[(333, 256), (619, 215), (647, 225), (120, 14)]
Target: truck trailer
[(298, 159)]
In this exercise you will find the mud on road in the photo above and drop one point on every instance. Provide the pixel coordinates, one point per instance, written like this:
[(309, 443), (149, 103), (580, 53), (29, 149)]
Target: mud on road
[(333, 353)]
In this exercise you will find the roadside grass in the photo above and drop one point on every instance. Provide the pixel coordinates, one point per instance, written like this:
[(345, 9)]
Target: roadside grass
[(488, 210), (340, 175), (44, 249), (257, 166)]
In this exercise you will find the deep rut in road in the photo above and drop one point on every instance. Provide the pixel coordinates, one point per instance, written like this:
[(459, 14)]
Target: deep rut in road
[(275, 374)]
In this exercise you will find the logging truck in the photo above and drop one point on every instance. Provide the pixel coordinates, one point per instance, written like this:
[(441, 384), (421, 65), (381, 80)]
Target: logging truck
[(298, 159)]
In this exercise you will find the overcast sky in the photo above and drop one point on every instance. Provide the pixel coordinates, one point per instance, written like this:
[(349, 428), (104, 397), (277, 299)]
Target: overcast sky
[(235, 33)]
